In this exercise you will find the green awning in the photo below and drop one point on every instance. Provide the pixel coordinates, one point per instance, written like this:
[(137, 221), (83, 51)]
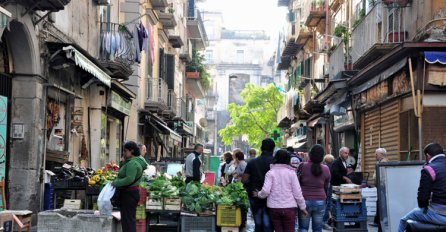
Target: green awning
[(87, 65)]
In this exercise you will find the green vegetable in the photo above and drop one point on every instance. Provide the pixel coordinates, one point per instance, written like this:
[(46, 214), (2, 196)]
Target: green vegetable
[(234, 194)]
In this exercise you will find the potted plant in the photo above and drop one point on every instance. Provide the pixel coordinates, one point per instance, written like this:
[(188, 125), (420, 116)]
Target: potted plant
[(196, 69), (321, 4)]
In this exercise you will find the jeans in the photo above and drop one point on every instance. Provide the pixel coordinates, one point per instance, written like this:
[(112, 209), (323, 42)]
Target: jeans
[(261, 217), (316, 211), (417, 214), (283, 219), (328, 203)]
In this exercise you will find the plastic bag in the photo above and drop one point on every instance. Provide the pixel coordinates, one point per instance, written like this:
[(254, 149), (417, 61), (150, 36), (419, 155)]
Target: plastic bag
[(104, 203)]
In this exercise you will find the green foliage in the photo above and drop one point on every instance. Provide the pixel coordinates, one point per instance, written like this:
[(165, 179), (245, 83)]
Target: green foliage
[(197, 198), (161, 188), (234, 194), (361, 16), (197, 65), (256, 118)]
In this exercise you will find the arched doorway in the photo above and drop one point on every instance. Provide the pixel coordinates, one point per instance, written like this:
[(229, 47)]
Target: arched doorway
[(26, 104)]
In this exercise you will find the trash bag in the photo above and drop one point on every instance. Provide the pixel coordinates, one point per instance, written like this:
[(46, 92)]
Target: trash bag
[(104, 203)]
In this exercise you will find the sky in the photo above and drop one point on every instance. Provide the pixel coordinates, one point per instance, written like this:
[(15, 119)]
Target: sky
[(249, 14)]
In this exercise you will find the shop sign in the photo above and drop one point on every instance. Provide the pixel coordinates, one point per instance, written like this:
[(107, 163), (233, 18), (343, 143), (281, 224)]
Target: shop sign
[(3, 125), (120, 104)]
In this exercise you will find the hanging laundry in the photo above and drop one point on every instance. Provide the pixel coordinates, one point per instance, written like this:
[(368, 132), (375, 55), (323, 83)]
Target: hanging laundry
[(152, 42)]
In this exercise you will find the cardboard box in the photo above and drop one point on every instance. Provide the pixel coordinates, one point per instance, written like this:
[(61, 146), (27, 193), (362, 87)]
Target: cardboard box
[(72, 204), (6, 221)]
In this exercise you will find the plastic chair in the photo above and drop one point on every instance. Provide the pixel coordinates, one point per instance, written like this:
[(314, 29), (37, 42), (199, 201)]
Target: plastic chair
[(23, 218)]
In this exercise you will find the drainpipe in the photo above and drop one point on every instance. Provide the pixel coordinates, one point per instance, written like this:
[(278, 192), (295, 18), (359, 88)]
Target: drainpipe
[(418, 110)]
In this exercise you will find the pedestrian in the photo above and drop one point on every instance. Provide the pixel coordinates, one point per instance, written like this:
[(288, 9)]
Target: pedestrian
[(127, 182), (314, 180), (295, 160), (431, 191), (283, 193), (240, 166), (227, 157), (381, 157), (339, 168), (193, 164), (328, 160), (142, 150), (253, 178), (252, 154)]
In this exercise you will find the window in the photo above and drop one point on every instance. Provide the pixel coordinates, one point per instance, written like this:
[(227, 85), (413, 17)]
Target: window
[(208, 56), (240, 56)]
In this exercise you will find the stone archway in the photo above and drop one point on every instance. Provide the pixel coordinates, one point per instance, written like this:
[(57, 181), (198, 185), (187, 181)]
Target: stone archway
[(24, 164)]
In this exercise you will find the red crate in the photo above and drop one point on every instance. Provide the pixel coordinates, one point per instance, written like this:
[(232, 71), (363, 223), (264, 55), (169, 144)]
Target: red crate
[(141, 226), (142, 196)]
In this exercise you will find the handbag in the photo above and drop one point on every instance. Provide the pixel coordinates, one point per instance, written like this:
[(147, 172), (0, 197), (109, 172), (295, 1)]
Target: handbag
[(115, 199)]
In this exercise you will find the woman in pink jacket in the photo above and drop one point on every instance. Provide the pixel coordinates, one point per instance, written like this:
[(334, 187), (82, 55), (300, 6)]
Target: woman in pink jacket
[(283, 193)]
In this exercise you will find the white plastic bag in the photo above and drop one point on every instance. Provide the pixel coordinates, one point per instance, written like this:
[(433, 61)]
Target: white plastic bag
[(104, 203)]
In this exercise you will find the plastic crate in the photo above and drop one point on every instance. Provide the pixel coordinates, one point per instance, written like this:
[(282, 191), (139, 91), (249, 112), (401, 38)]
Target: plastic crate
[(92, 190), (77, 184), (141, 226), (60, 184), (350, 226), (228, 216), (140, 212), (349, 211), (197, 224)]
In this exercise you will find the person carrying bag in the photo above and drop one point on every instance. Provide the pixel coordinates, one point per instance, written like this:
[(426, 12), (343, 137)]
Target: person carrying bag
[(127, 185)]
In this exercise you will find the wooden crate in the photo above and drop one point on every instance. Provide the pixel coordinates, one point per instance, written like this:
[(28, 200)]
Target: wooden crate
[(154, 205), (350, 198), (173, 204), (72, 204), (229, 229)]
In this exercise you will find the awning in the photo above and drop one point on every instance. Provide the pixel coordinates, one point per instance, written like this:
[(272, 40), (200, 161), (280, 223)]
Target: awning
[(381, 77), (4, 19), (435, 57), (166, 130), (87, 65)]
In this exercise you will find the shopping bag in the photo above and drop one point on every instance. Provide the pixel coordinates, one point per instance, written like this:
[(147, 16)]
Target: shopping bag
[(104, 203)]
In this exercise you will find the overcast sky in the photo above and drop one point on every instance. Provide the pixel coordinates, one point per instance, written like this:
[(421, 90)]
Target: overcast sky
[(250, 14)]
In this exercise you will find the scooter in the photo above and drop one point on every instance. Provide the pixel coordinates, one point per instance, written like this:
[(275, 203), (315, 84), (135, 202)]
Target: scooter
[(414, 226)]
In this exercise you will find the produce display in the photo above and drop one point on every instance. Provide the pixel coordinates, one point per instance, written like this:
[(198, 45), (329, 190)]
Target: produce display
[(102, 175), (198, 198), (234, 194), (160, 188)]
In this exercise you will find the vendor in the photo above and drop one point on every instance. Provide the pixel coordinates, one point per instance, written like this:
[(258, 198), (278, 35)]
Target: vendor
[(127, 182)]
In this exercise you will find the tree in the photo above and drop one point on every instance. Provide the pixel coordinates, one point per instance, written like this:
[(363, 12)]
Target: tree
[(256, 118)]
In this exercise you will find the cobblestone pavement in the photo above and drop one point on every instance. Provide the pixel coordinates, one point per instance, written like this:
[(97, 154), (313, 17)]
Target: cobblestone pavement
[(250, 225)]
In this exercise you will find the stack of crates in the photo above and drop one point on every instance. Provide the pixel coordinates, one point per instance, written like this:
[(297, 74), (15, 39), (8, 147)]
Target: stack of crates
[(229, 218), (349, 210), (141, 211)]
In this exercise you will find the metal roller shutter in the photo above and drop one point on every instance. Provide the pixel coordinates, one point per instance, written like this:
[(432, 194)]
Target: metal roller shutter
[(381, 129)]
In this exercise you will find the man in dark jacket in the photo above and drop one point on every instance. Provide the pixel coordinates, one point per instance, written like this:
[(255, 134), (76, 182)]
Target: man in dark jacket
[(339, 168), (432, 190), (253, 178)]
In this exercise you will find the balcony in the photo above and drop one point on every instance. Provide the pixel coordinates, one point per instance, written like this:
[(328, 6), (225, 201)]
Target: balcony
[(186, 52), (316, 15), (194, 86), (335, 4), (157, 95), (172, 107), (337, 61), (195, 28), (159, 4), (167, 19), (380, 31), (303, 37), (118, 61), (44, 5), (176, 37)]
